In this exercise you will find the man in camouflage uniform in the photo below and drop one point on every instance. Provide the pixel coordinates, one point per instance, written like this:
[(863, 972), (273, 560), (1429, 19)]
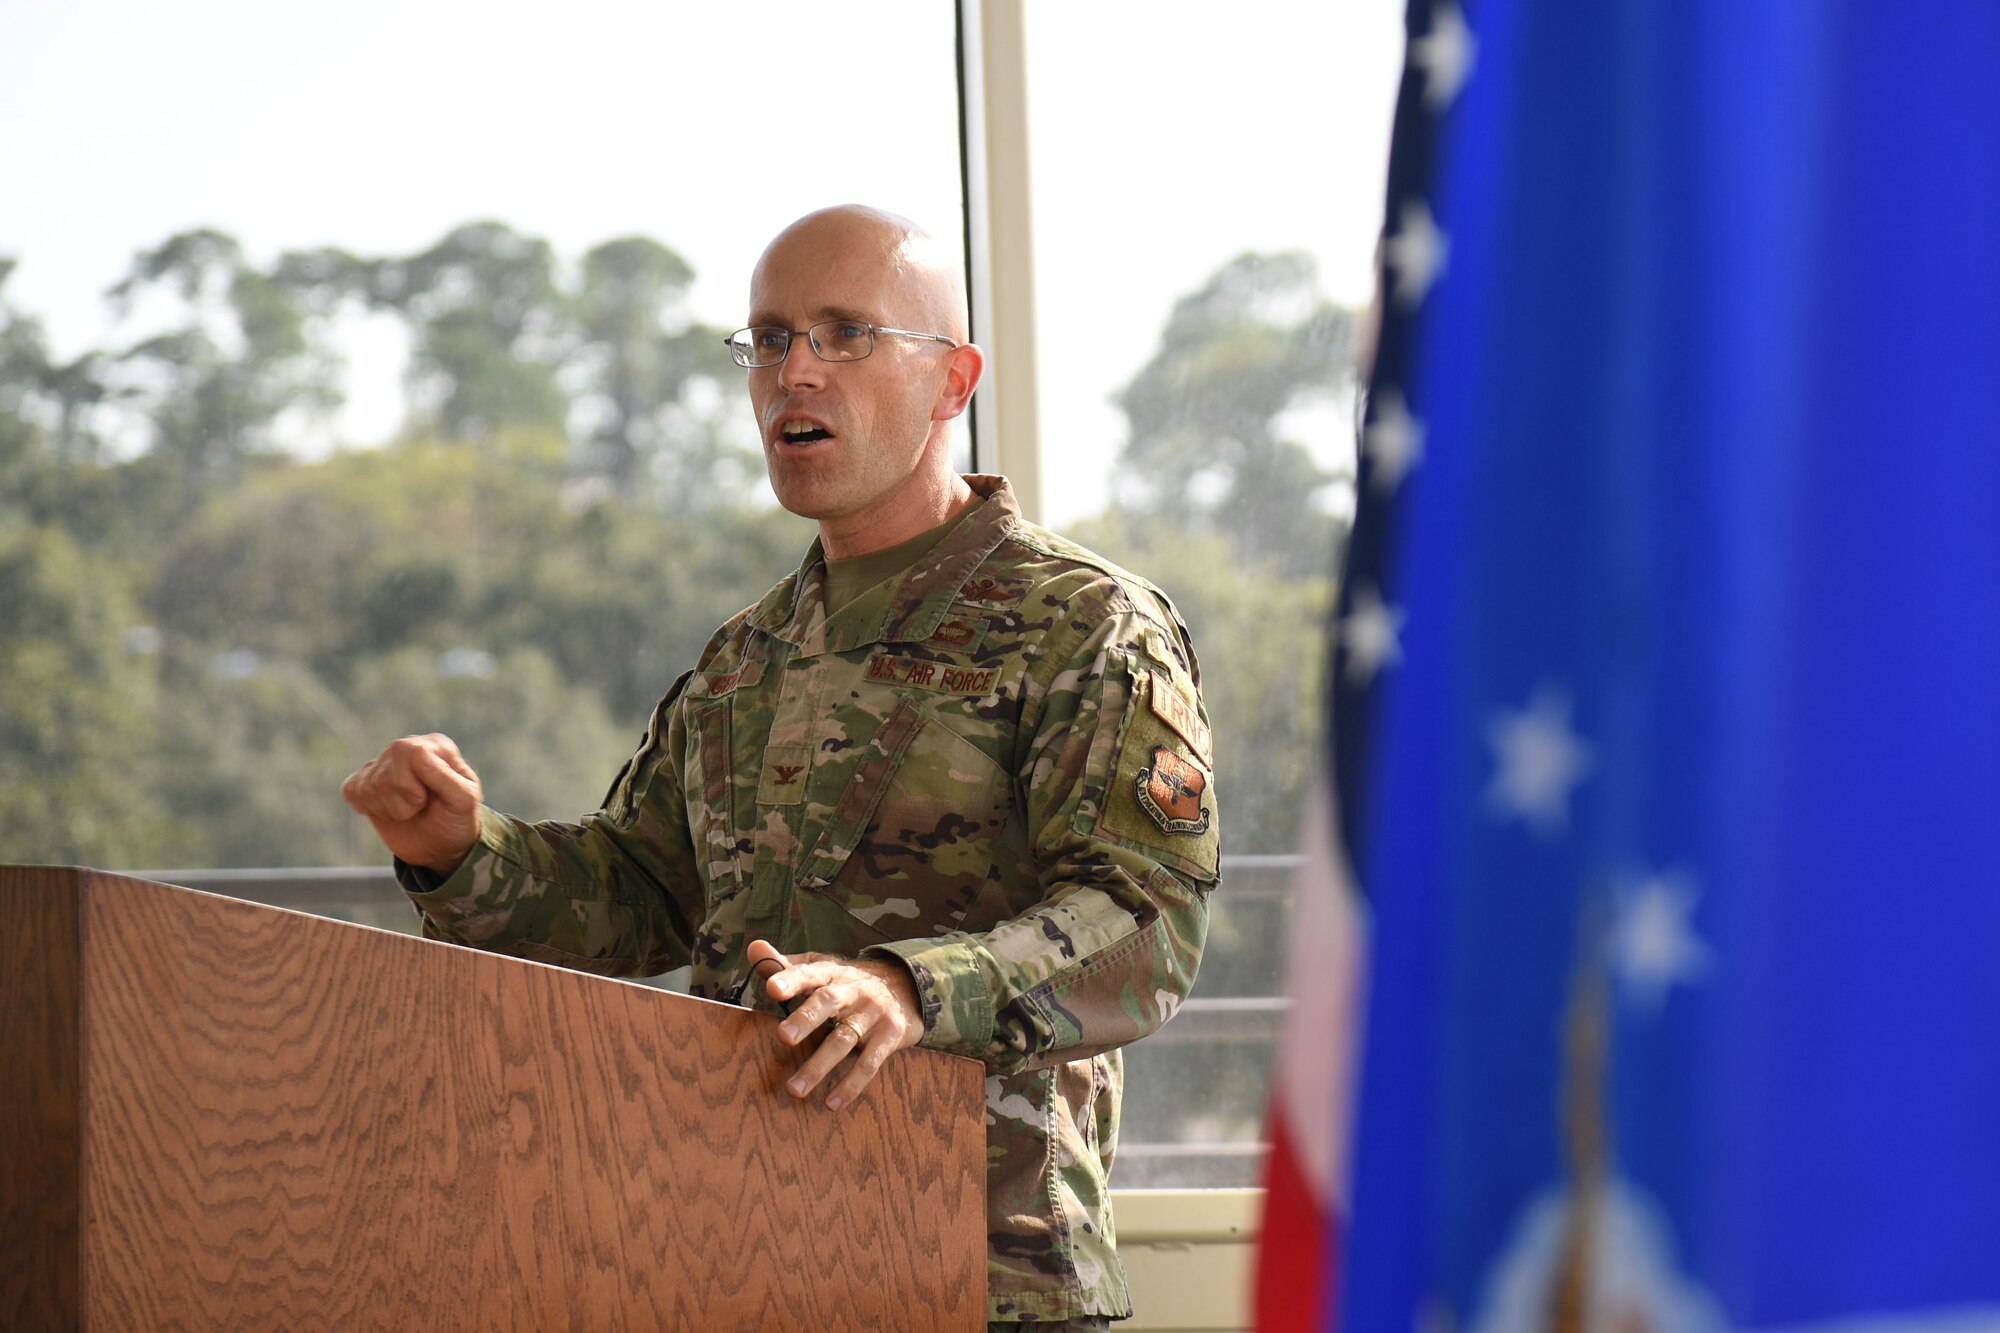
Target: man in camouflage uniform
[(969, 806)]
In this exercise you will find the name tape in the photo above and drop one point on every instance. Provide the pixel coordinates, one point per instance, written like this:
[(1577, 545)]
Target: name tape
[(940, 676), (749, 673)]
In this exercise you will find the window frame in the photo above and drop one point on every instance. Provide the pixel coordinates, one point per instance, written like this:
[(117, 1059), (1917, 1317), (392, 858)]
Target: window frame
[(999, 242)]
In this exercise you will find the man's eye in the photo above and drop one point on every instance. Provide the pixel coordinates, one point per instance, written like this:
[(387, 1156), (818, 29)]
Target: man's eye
[(768, 339), (849, 332)]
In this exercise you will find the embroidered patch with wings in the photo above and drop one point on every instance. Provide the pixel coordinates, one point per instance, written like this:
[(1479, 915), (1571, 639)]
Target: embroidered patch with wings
[(1170, 791)]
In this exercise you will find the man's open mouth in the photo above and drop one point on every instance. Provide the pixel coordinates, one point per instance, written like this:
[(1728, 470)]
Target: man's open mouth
[(803, 432)]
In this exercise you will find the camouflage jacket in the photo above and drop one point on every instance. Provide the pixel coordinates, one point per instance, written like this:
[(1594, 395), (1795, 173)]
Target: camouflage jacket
[(994, 768)]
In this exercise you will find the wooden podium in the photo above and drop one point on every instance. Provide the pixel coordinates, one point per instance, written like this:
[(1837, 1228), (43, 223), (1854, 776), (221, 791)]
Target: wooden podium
[(221, 1115)]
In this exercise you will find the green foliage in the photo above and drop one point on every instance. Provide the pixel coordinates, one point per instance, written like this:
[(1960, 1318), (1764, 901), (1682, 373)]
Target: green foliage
[(79, 765), (641, 354), (44, 404), (210, 386), (1207, 446), (319, 610), (203, 639), (23, 367), (642, 391), (312, 612), (546, 746)]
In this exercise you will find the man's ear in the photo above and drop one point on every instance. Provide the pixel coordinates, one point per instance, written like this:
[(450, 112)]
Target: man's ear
[(964, 365)]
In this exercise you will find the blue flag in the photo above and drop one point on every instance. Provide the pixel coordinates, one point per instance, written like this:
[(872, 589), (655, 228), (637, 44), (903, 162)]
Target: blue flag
[(1668, 684)]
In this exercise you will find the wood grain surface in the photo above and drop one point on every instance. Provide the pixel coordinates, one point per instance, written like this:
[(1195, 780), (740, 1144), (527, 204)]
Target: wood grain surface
[(298, 1123), (40, 1082)]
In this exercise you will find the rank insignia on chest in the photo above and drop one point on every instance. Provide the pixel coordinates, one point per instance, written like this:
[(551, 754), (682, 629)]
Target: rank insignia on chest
[(1170, 791), (783, 779)]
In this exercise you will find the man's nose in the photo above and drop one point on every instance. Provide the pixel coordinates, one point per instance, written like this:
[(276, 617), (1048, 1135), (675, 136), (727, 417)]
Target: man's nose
[(801, 366)]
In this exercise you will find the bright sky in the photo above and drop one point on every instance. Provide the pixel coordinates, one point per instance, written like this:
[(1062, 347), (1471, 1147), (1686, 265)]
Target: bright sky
[(1164, 145)]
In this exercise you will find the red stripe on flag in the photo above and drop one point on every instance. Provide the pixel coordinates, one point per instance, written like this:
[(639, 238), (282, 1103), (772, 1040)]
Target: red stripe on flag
[(1297, 1266), (1298, 1258)]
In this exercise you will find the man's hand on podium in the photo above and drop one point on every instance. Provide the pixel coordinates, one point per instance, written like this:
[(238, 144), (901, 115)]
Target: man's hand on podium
[(423, 799), (869, 1010)]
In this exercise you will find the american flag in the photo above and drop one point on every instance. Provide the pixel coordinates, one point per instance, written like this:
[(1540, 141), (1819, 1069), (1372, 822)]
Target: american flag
[(1666, 715)]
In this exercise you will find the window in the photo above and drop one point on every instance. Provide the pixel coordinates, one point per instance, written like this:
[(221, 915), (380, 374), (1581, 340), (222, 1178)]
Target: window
[(1206, 201)]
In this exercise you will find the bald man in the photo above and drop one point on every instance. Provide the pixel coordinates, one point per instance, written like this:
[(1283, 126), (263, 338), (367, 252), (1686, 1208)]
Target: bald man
[(949, 784)]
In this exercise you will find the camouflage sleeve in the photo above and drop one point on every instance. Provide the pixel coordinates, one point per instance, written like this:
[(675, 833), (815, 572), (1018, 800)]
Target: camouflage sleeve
[(1117, 799), (615, 894)]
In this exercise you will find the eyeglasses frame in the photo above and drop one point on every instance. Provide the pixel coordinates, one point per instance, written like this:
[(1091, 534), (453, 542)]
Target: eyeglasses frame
[(813, 342)]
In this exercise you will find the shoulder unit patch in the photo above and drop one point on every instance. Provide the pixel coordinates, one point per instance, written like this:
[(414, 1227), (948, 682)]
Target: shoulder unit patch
[(1169, 789)]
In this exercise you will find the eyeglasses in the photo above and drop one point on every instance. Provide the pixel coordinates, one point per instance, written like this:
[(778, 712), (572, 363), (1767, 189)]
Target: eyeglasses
[(833, 340)]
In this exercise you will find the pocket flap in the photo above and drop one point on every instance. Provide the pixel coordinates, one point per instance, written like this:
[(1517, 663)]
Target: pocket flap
[(875, 766)]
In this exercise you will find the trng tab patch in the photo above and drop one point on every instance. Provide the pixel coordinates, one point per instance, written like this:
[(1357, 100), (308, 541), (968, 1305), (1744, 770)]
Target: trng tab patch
[(1178, 711)]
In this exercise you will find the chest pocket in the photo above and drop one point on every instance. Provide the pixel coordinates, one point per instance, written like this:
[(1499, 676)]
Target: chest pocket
[(711, 793), (711, 775), (908, 843)]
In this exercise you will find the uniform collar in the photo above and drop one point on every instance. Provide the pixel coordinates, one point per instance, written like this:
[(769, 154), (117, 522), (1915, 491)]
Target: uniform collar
[(901, 610)]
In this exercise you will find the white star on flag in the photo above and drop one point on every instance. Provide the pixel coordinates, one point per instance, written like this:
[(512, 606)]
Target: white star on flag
[(1416, 254), (1369, 632), (1446, 55), (1652, 946), (1538, 759), (1394, 441)]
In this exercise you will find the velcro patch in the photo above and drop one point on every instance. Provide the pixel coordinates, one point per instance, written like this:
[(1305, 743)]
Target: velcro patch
[(715, 686), (1169, 789), (1178, 711), (995, 590), (944, 677), (1155, 794), (958, 633), (783, 780)]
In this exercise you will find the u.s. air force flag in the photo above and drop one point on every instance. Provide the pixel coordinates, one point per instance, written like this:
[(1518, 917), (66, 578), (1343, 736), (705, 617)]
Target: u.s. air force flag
[(1669, 674)]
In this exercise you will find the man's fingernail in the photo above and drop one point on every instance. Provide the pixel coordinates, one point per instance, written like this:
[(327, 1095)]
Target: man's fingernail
[(798, 1087), (833, 1103), (788, 1032)]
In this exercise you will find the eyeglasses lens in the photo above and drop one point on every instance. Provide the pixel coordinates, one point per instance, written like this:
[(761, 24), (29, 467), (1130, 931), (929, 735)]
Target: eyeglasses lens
[(842, 340)]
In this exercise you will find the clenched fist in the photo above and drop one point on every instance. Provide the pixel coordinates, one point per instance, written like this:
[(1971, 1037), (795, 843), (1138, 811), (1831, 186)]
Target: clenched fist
[(423, 799)]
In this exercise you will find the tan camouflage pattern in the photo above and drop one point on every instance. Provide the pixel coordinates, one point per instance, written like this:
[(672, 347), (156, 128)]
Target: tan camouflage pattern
[(947, 772)]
